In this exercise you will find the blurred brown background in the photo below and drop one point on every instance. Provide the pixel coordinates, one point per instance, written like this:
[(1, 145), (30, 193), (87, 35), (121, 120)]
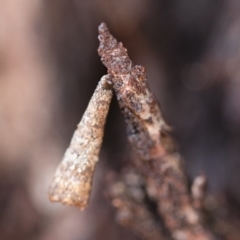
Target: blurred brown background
[(49, 68)]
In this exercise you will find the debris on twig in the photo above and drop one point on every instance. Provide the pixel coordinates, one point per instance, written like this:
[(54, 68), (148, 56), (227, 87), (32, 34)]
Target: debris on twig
[(72, 181), (157, 158)]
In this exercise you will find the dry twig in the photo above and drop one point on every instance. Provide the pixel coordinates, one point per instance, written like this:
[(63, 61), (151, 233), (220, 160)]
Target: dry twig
[(157, 160), (127, 195)]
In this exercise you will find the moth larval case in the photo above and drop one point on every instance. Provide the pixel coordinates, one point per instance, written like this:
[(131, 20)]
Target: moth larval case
[(72, 180)]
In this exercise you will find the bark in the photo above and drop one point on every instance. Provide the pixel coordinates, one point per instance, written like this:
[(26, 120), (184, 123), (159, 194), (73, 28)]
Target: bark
[(157, 157)]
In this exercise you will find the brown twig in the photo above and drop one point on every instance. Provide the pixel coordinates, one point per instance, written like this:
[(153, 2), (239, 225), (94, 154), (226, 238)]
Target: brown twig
[(158, 159), (127, 195)]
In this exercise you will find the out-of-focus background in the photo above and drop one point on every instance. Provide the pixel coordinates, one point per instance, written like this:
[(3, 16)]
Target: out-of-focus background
[(49, 68)]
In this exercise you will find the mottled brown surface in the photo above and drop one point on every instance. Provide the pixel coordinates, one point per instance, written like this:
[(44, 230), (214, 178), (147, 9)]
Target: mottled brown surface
[(165, 178), (144, 121)]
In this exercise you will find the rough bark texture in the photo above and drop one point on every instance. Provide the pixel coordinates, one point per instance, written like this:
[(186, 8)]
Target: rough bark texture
[(147, 132)]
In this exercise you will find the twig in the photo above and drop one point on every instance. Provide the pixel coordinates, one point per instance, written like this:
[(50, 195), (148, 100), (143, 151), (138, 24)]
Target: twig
[(127, 195), (158, 160)]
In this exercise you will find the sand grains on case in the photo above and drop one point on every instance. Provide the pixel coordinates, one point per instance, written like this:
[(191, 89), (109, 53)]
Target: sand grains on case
[(72, 181)]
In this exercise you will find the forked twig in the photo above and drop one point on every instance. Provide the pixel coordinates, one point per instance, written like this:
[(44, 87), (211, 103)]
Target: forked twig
[(157, 160)]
